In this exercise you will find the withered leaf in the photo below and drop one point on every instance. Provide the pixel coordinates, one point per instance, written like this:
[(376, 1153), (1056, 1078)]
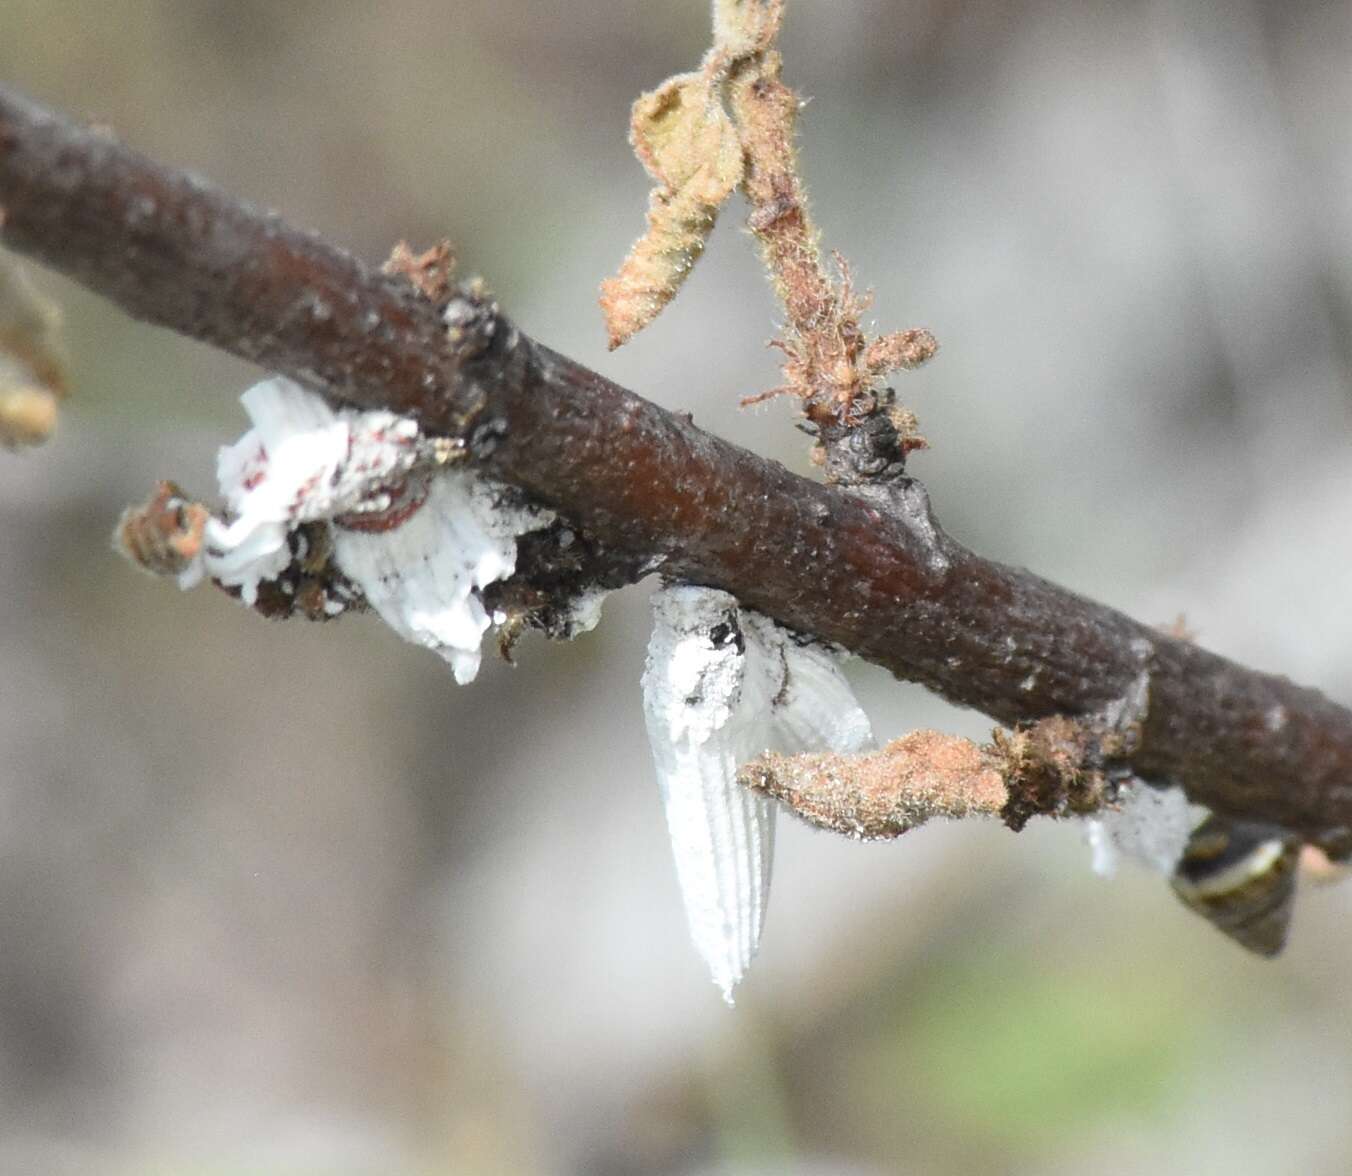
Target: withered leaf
[(685, 139)]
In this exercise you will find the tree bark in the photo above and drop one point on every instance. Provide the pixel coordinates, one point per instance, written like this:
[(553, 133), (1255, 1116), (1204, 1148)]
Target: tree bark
[(868, 570)]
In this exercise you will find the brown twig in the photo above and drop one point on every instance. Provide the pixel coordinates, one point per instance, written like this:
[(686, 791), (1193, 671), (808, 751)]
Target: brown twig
[(922, 776), (1054, 768), (870, 572)]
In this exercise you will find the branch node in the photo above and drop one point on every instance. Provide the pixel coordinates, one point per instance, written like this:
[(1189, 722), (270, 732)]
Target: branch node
[(472, 317), (1051, 769), (429, 272)]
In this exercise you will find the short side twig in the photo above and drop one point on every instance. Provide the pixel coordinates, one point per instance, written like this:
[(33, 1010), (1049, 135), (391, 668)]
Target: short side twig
[(1053, 769)]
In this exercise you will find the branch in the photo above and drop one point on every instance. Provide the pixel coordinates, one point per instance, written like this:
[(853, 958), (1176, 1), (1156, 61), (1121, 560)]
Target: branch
[(868, 570)]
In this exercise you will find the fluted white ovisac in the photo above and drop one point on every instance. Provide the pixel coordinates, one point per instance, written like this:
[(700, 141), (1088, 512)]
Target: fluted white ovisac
[(722, 685)]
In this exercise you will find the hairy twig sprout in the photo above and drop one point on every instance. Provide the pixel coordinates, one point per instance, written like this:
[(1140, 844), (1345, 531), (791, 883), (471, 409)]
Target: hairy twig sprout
[(729, 125)]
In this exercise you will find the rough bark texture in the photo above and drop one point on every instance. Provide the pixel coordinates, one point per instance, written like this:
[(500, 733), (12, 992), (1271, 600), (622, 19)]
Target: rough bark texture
[(869, 570)]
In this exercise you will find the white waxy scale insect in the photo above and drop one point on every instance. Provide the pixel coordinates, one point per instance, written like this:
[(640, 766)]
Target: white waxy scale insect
[(419, 542), (722, 685), (301, 462), (422, 576)]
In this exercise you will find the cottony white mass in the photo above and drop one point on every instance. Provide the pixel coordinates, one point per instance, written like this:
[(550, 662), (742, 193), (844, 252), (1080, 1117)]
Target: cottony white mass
[(421, 568), (722, 685)]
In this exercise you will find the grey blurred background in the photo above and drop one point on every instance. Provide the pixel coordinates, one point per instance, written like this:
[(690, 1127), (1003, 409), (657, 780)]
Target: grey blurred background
[(282, 899)]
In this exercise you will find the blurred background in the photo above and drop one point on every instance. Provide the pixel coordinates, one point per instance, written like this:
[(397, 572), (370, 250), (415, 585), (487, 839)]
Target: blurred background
[(282, 899)]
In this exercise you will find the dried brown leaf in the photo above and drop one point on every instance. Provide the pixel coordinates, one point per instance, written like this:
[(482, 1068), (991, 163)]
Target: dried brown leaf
[(686, 141), (901, 350)]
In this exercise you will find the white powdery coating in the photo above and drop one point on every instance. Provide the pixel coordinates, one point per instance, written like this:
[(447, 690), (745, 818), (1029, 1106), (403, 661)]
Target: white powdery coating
[(707, 708), (1149, 824), (815, 708), (421, 576), (304, 462), (723, 684)]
